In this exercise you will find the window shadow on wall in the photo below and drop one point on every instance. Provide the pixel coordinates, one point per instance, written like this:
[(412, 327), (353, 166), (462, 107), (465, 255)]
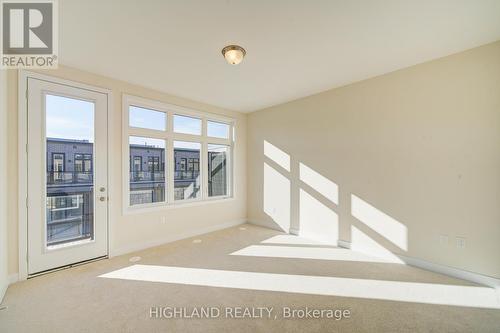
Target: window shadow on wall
[(302, 201)]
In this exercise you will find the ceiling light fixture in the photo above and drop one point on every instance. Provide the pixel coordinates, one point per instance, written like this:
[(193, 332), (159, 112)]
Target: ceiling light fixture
[(234, 54)]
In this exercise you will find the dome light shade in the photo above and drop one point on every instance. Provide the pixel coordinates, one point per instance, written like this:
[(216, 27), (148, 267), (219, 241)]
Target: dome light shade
[(234, 54)]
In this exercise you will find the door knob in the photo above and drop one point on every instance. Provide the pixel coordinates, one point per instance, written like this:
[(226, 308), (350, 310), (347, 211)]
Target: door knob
[(102, 189), (102, 198)]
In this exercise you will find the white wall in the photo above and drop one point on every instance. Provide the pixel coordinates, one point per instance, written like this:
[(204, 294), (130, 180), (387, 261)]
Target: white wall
[(407, 157), (135, 231), (3, 184)]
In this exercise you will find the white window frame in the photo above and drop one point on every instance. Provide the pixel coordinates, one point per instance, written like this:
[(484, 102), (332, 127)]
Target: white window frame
[(22, 151), (170, 136)]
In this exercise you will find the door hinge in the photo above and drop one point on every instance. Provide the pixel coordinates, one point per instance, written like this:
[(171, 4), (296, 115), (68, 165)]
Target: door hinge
[(27, 257), (27, 93), (26, 148), (27, 202)]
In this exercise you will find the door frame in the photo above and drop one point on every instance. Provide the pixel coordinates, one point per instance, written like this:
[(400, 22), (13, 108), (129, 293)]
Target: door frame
[(22, 160)]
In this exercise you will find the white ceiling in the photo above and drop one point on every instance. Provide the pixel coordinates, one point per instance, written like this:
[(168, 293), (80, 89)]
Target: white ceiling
[(294, 48)]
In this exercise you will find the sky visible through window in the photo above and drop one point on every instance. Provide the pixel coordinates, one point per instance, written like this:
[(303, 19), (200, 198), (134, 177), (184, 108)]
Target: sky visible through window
[(146, 118), (187, 145), (187, 125), (143, 141), (73, 119), (217, 130), (69, 118)]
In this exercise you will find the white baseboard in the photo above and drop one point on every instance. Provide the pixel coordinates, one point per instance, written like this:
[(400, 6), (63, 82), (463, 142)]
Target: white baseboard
[(3, 290), (442, 269), (344, 244), (172, 238), (453, 272), (420, 263)]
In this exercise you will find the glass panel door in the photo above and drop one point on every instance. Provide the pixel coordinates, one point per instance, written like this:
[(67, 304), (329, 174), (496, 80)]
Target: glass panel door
[(69, 131), (67, 175)]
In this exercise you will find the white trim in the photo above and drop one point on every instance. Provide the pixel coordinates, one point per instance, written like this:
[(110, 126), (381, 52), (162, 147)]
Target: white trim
[(161, 206), (111, 166), (170, 136), (419, 263), (22, 138), (344, 244), (148, 133), (23, 76), (172, 238), (3, 290), (442, 269), (54, 79), (452, 271), (174, 108)]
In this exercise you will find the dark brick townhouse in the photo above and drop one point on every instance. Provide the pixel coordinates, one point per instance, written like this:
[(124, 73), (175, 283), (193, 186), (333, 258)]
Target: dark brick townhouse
[(70, 182)]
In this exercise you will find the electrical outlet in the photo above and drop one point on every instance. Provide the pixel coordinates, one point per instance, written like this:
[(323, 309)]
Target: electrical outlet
[(443, 240), (460, 242)]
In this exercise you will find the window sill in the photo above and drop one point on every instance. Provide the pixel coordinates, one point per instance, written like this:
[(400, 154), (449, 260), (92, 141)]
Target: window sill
[(131, 210)]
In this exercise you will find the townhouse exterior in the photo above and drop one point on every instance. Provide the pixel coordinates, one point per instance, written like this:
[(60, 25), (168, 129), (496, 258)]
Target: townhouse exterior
[(70, 186)]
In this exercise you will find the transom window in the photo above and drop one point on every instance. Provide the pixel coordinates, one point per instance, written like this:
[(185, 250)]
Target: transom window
[(175, 155), (217, 130), (187, 125), (146, 118)]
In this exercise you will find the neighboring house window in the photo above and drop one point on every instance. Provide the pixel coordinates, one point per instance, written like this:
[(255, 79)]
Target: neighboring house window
[(187, 183), (199, 144), (58, 166), (65, 202), (83, 163), (146, 186), (57, 162), (153, 164), (183, 164), (137, 163), (194, 164)]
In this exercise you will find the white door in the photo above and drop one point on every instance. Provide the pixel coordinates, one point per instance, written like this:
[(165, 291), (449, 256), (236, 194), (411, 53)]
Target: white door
[(67, 175)]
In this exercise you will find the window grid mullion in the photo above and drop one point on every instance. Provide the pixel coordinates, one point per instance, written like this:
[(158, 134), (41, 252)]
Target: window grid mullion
[(171, 158), (204, 169)]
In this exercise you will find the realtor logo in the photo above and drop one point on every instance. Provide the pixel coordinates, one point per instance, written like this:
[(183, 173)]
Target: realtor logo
[(29, 34)]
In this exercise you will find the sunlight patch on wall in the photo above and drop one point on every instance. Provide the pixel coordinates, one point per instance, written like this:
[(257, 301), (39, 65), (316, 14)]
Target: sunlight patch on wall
[(317, 221), (468, 296), (361, 242), (277, 155), (317, 253), (319, 183), (386, 226), (277, 197)]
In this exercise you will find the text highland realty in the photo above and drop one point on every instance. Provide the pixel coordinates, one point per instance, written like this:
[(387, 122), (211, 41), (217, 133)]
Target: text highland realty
[(237, 312)]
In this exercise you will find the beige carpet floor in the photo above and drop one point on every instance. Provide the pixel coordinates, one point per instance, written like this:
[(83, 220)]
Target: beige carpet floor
[(205, 272)]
